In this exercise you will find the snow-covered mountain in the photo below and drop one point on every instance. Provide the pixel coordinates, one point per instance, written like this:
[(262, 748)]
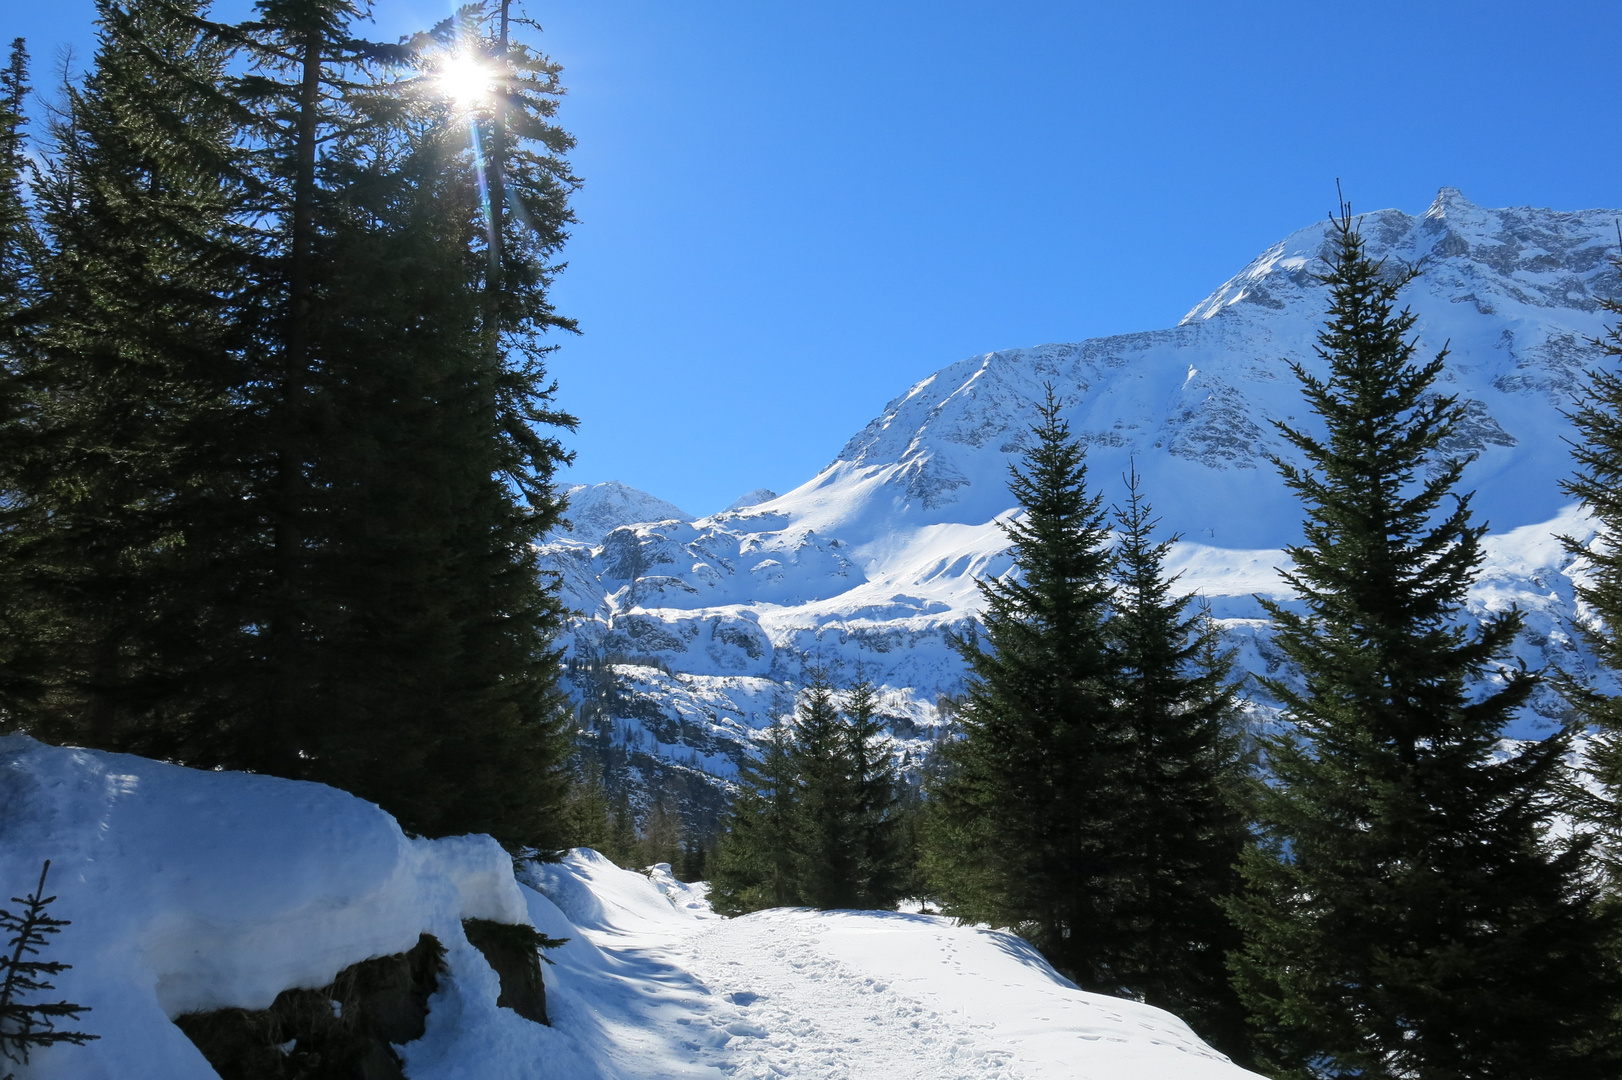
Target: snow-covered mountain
[(752, 498), (711, 623), (595, 510)]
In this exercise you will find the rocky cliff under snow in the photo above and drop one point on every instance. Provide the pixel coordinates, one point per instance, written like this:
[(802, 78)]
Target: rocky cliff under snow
[(697, 631)]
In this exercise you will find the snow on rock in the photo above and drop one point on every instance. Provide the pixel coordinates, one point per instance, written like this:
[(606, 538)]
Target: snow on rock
[(192, 891)]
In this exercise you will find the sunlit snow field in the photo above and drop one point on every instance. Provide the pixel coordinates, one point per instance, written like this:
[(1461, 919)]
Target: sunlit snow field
[(191, 890)]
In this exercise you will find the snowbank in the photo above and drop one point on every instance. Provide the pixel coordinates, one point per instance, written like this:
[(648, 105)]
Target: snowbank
[(193, 890)]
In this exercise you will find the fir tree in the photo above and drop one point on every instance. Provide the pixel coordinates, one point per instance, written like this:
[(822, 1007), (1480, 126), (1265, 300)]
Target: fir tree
[(18, 262), (18, 243), (125, 525), (755, 865), (415, 462), (816, 822), (1030, 801), (695, 857), (1598, 484), (25, 1025), (586, 809), (622, 846), (661, 838), (339, 167), (878, 879), (1409, 915), (271, 495), (1180, 845), (826, 832)]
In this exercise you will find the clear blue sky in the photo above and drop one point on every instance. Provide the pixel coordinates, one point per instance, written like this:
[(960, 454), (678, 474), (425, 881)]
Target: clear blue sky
[(795, 210)]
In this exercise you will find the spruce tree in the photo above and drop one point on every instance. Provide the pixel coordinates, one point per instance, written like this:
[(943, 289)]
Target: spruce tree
[(1598, 484), (18, 263), (271, 493), (878, 879), (1409, 914), (1030, 803), (622, 839), (26, 1025), (309, 123), (661, 838), (755, 864), (18, 242), (826, 842), (586, 809), (1181, 843), (125, 529), (414, 472)]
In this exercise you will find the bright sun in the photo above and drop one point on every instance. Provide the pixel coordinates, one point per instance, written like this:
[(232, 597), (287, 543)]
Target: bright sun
[(465, 80)]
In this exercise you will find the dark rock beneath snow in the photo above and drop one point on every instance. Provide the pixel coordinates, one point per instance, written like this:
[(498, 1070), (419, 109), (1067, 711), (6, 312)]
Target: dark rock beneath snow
[(513, 951), (342, 1031)]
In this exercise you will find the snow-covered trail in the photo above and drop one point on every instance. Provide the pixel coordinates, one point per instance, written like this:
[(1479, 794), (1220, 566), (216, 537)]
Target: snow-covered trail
[(808, 995), (188, 891)]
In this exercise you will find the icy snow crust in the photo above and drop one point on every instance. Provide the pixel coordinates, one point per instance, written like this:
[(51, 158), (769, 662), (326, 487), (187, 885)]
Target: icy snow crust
[(869, 564), (193, 890)]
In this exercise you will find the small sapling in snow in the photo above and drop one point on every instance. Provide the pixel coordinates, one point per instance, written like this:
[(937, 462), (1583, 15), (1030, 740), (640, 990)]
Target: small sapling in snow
[(23, 1025)]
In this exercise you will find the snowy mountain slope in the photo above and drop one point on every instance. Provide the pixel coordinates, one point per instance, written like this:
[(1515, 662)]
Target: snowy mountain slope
[(189, 890), (867, 564)]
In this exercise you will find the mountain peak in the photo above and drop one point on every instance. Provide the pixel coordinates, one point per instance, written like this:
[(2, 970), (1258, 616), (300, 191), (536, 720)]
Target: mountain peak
[(595, 510), (753, 498), (1449, 202)]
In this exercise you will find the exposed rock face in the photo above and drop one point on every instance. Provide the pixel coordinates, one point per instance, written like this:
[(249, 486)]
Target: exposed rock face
[(872, 563), (513, 952), (343, 1031)]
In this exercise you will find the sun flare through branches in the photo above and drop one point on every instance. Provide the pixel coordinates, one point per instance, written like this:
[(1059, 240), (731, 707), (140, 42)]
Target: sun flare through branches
[(466, 80)]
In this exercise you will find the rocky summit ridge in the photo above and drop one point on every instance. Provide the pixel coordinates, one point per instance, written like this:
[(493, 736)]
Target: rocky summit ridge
[(702, 629)]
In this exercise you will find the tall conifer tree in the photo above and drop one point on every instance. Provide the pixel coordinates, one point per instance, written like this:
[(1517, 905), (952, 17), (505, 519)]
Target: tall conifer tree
[(18, 264), (1598, 483), (415, 448), (755, 864), (1410, 915), (18, 242), (826, 841), (1030, 802), (306, 122), (127, 471), (1181, 843), (878, 877), (274, 482), (816, 822)]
